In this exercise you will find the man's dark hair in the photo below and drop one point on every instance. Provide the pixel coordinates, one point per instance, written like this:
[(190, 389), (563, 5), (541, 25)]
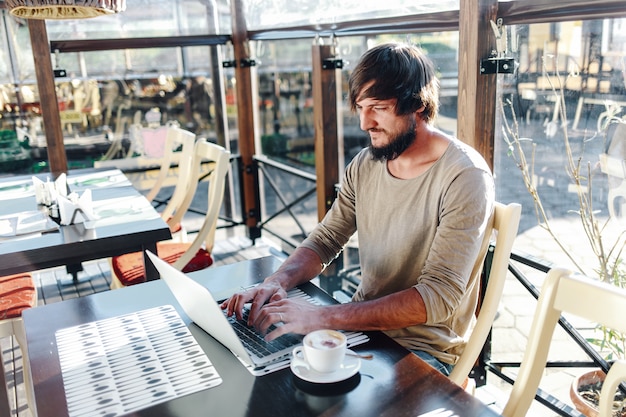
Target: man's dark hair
[(399, 71)]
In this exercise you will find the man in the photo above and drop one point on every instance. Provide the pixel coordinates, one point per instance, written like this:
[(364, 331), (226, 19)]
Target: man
[(421, 201)]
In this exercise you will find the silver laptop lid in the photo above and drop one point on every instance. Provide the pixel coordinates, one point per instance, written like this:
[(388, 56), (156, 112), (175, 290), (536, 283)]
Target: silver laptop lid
[(198, 303)]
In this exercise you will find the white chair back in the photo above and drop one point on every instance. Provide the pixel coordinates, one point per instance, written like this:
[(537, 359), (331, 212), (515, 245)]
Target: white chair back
[(566, 292), (175, 137), (505, 223), (206, 151)]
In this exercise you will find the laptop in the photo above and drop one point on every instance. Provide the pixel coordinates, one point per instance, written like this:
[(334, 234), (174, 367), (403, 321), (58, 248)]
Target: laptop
[(201, 307)]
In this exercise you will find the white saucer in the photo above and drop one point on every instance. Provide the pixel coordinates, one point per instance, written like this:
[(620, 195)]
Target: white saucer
[(349, 367)]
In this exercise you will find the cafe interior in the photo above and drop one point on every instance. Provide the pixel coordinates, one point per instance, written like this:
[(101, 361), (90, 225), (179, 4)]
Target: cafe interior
[(216, 133)]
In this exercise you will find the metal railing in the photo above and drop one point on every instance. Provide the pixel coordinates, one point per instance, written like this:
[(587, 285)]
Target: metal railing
[(264, 163)]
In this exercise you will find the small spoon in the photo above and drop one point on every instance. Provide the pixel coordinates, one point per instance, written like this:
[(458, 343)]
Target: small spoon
[(368, 356)]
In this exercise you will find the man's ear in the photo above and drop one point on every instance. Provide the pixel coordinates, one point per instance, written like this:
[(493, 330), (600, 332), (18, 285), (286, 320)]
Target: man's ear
[(419, 113)]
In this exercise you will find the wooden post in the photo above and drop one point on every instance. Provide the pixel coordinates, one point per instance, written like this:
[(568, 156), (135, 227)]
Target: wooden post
[(477, 93), (327, 122), (477, 97), (48, 97), (246, 120)]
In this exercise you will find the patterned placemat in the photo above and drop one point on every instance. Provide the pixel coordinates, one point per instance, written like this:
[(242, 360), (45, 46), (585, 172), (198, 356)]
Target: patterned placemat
[(123, 364)]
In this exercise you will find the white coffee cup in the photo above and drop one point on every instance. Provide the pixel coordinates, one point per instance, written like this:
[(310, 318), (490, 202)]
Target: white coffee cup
[(323, 350)]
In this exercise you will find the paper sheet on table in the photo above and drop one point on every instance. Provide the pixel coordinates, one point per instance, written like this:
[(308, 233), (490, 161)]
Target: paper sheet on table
[(27, 222)]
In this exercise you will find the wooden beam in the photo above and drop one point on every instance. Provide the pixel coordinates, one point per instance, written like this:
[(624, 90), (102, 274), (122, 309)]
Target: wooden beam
[(327, 123), (48, 97), (477, 92), (246, 120)]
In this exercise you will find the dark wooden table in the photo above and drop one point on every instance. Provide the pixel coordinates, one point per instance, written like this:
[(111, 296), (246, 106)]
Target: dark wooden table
[(395, 383), (127, 223)]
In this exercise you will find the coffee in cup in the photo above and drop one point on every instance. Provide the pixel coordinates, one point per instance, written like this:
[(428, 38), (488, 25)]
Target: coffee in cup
[(323, 350)]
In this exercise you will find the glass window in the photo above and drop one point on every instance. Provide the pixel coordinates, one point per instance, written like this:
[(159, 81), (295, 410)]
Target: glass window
[(143, 18), (567, 95), (285, 13), (285, 95)]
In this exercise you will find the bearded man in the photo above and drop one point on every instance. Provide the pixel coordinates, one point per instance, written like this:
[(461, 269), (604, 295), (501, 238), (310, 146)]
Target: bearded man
[(421, 202)]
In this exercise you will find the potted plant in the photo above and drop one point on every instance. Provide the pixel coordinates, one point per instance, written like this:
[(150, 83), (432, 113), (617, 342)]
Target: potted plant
[(607, 249)]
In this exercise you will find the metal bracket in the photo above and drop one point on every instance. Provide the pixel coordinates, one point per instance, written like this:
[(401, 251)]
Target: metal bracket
[(332, 63), (245, 63), (497, 66)]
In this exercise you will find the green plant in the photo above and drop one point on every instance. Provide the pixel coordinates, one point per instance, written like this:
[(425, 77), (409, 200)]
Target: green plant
[(612, 342), (608, 252)]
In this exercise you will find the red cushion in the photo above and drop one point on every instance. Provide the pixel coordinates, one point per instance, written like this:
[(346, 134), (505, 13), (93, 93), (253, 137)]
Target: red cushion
[(17, 293), (129, 267)]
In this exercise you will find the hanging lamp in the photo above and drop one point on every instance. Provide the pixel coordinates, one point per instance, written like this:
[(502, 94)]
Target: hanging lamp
[(64, 9)]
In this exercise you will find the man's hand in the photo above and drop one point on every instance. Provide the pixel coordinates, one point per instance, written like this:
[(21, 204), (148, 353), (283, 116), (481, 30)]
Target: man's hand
[(260, 295), (296, 315)]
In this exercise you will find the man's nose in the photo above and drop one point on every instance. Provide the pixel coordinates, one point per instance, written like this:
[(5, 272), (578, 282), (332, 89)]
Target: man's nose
[(366, 120)]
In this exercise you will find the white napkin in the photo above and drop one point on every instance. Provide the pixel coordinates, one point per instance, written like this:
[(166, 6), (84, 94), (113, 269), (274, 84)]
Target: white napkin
[(78, 209), (60, 185), (44, 191)]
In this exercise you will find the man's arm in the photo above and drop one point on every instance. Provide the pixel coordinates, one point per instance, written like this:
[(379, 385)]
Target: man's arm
[(301, 266), (395, 311)]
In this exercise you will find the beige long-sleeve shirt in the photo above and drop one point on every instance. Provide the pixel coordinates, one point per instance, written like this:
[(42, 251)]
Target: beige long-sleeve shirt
[(423, 232)]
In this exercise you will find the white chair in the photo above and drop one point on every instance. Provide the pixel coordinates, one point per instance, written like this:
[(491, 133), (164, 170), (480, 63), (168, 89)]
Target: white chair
[(165, 147), (613, 163), (128, 269), (505, 223), (616, 375), (175, 137), (17, 293), (566, 292)]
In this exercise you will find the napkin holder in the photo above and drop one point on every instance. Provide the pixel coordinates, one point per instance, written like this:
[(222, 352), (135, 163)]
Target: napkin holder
[(46, 193), (74, 209)]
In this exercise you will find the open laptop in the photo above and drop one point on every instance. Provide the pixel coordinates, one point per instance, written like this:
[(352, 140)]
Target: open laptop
[(199, 304)]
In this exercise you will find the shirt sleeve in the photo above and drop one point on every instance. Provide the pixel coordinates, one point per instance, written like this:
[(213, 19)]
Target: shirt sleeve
[(332, 234), (467, 205)]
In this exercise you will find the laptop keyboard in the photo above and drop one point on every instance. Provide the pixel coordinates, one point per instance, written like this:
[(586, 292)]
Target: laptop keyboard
[(255, 342)]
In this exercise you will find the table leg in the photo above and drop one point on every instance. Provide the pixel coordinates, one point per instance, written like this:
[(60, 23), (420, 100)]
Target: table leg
[(74, 269), (151, 272)]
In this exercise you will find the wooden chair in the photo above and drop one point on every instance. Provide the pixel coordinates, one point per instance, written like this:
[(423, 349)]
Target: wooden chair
[(128, 269), (174, 210), (566, 292), (17, 293), (505, 223)]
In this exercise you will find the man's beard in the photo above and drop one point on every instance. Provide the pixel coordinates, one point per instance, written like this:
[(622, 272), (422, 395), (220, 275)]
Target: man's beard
[(398, 144)]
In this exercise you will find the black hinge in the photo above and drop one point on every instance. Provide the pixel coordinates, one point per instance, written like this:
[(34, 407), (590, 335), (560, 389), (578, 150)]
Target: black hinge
[(332, 63)]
